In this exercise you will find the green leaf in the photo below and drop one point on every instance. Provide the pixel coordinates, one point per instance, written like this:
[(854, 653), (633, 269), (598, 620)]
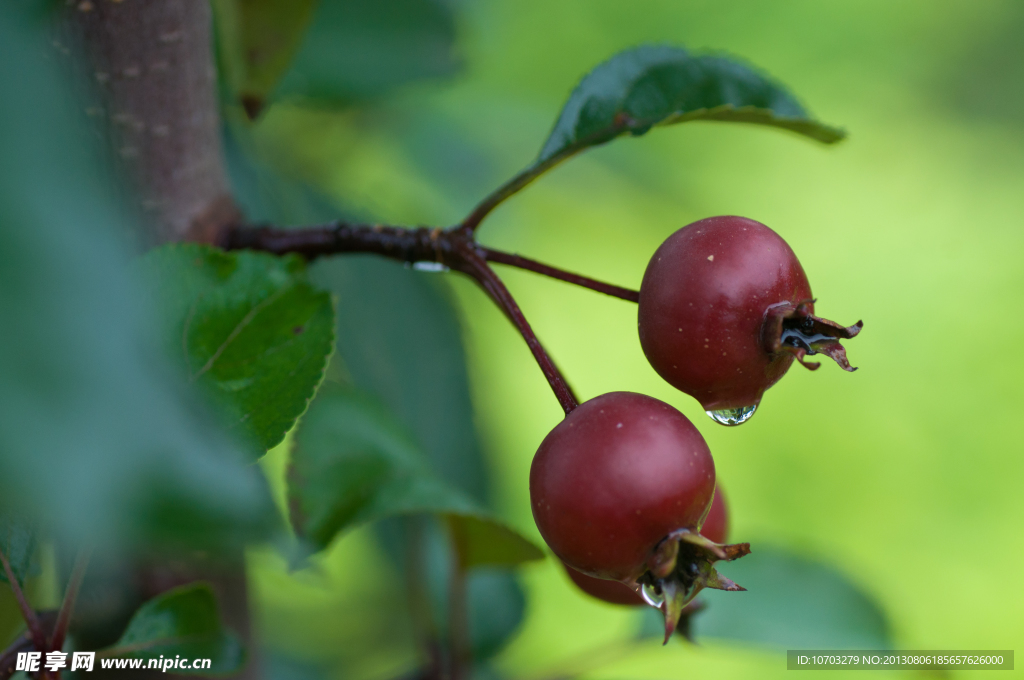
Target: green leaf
[(658, 85), (257, 41), (792, 602), (18, 543), (356, 49), (353, 463), (98, 436), (181, 622), (648, 86), (246, 326)]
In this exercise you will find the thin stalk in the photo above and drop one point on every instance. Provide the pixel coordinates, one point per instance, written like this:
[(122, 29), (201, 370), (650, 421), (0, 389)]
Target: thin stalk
[(67, 606), (27, 612), (474, 265), (498, 196), (419, 601), (512, 186), (458, 614), (560, 274)]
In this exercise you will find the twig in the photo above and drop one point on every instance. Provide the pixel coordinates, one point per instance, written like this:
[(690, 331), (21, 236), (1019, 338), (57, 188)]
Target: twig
[(67, 606), (9, 657), (560, 274), (453, 248), (29, 614), (397, 243)]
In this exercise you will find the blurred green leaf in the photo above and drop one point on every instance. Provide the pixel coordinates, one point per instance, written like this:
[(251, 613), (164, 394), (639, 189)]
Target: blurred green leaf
[(791, 602), (356, 49), (257, 40), (353, 463), (18, 543), (98, 436), (496, 608), (184, 621), (410, 357), (248, 327), (481, 543)]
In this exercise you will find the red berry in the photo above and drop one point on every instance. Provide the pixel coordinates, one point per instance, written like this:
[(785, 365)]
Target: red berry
[(613, 592), (619, 491), (617, 476), (724, 308)]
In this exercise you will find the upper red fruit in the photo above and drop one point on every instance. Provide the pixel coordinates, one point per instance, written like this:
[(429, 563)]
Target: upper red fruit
[(725, 307), (617, 476)]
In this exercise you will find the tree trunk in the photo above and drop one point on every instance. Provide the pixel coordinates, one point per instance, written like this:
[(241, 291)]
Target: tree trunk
[(151, 63), (150, 78)]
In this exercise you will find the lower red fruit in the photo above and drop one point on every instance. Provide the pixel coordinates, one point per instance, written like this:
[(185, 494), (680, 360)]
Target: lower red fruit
[(613, 479), (619, 491)]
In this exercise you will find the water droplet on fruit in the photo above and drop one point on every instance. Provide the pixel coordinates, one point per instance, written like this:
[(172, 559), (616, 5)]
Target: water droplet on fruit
[(651, 595), (733, 416)]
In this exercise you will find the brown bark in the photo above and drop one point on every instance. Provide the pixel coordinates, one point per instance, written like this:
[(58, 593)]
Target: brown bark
[(149, 70), (152, 64)]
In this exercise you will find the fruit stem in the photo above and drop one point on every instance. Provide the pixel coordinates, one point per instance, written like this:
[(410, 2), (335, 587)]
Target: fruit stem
[(474, 265), (560, 274)]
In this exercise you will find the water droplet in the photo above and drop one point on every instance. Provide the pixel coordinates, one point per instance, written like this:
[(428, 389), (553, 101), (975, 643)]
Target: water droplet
[(652, 595), (425, 266), (733, 416)]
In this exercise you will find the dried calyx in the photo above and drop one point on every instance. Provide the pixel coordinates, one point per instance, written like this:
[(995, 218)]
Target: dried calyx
[(794, 329), (682, 565)]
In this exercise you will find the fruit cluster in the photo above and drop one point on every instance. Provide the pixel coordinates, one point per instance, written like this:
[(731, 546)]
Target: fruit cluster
[(623, 490)]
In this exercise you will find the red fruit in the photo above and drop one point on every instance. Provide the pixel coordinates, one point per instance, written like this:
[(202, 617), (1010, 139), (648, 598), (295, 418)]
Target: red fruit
[(613, 592), (617, 476), (619, 490), (724, 308)]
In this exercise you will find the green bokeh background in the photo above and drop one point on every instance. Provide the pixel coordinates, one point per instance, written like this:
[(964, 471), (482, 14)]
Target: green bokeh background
[(906, 475)]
